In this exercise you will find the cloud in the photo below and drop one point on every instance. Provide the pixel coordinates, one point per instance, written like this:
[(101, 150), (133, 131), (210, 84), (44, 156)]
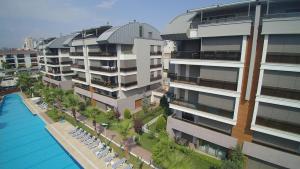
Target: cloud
[(106, 4)]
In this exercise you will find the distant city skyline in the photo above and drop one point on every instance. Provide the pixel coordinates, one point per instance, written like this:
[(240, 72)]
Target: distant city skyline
[(42, 18)]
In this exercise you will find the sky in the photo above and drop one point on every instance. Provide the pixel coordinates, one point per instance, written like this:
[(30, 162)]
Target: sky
[(50, 18)]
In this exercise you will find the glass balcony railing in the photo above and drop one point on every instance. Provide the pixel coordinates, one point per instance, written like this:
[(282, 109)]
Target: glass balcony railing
[(203, 82), (104, 69), (155, 53), (104, 83), (66, 62), (280, 92), (282, 15), (107, 94), (207, 55), (103, 54), (83, 79), (280, 125), (78, 66), (194, 24), (283, 58), (51, 53), (67, 71), (81, 86), (155, 66), (204, 108), (128, 69), (129, 84), (155, 78), (76, 53)]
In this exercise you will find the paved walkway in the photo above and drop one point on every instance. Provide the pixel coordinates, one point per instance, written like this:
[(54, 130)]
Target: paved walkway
[(78, 150), (115, 137)]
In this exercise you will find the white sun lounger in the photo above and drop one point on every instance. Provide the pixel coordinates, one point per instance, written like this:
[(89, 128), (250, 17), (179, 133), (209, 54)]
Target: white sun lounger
[(94, 144), (74, 130), (103, 153), (118, 163), (81, 135), (77, 132), (90, 141), (129, 166), (86, 137)]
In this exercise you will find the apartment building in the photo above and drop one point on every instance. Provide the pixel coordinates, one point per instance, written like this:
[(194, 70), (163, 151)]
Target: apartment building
[(55, 61), (235, 80), (117, 67), (18, 60)]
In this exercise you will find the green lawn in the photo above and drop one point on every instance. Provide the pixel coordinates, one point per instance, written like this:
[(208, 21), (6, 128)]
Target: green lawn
[(146, 141), (146, 117)]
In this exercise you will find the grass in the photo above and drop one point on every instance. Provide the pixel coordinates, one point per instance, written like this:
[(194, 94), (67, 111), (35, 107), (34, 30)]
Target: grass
[(147, 141), (146, 117), (131, 159)]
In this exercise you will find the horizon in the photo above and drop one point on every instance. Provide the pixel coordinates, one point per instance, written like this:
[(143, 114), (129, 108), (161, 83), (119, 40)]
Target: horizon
[(42, 18)]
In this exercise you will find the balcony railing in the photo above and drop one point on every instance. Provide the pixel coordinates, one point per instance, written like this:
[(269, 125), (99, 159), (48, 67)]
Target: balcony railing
[(42, 61), (284, 126), (204, 108), (155, 53), (155, 78), (51, 53), (212, 55), (203, 82), (54, 71), (155, 66), (78, 66), (67, 71), (33, 60), (129, 84), (194, 24), (79, 78), (33, 55), (282, 15), (81, 86), (283, 58), (52, 63), (128, 69), (104, 94), (103, 54), (104, 69), (76, 53), (66, 62), (104, 83), (280, 92), (21, 61)]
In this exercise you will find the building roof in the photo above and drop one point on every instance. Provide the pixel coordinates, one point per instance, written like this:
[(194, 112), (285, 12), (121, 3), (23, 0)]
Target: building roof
[(126, 34), (62, 42), (16, 51)]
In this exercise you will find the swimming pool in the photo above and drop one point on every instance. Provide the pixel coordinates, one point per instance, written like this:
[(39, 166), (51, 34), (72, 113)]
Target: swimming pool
[(25, 142)]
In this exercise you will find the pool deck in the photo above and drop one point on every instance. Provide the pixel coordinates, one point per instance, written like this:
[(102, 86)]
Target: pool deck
[(78, 150)]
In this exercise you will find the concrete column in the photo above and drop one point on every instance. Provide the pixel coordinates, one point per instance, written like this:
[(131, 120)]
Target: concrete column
[(236, 108), (119, 52), (260, 81), (254, 113), (265, 49)]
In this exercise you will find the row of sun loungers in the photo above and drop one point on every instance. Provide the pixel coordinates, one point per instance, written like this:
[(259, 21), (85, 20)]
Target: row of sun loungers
[(42, 105), (101, 150)]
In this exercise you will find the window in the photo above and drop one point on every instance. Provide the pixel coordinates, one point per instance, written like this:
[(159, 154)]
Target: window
[(141, 31), (150, 35)]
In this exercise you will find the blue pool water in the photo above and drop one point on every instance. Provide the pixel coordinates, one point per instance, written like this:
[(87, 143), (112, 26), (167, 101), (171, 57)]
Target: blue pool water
[(25, 142)]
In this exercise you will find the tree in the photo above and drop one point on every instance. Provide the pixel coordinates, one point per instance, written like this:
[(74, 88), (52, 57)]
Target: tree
[(59, 95), (160, 124), (127, 114), (165, 105), (145, 104), (162, 149), (24, 81), (124, 128), (71, 101), (138, 125), (92, 113), (48, 95)]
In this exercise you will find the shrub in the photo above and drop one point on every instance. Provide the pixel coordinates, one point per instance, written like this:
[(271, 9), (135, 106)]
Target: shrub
[(117, 115), (236, 159), (160, 124), (127, 114), (165, 105), (138, 125)]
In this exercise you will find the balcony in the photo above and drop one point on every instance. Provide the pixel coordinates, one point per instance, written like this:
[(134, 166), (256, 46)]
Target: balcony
[(81, 86), (203, 82), (282, 15), (33, 55), (66, 63), (280, 92), (21, 60), (212, 55), (51, 53), (42, 61), (194, 24), (284, 126), (104, 69), (204, 108), (83, 79), (33, 60), (155, 78), (128, 69), (283, 58), (104, 83), (67, 71), (78, 66), (129, 84), (34, 64), (155, 53), (76, 53), (52, 63), (104, 94), (155, 66), (54, 71), (103, 54)]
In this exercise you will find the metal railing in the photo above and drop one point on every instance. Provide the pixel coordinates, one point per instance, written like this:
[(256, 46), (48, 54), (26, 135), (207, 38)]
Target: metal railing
[(103, 54), (203, 82), (195, 24), (104, 69), (104, 83), (211, 55), (205, 108)]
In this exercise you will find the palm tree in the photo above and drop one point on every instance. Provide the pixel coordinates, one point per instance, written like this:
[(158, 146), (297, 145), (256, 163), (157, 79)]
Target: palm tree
[(59, 95), (24, 81), (48, 95), (71, 101), (92, 113)]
